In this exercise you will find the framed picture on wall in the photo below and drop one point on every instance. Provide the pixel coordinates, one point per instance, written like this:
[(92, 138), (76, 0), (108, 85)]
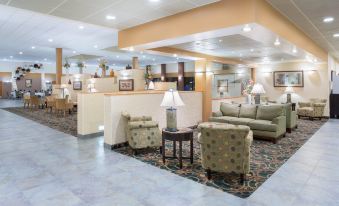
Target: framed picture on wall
[(288, 78), (77, 85), (126, 85), (28, 83)]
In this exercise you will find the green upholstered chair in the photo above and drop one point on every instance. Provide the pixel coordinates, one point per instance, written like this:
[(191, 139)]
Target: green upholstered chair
[(313, 109), (225, 148), (141, 132)]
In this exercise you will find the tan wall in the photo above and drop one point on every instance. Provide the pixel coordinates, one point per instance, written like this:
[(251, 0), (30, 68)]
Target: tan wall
[(5, 76), (36, 82), (316, 83)]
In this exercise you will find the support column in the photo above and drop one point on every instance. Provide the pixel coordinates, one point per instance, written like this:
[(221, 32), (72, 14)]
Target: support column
[(58, 65), (181, 76), (253, 77), (203, 83), (135, 63), (163, 72)]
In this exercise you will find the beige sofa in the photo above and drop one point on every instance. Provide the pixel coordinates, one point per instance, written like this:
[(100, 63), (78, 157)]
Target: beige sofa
[(266, 121)]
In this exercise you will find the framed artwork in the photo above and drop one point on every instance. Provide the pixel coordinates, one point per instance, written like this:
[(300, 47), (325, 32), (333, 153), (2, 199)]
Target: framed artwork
[(288, 78), (28, 83), (77, 85), (126, 85), (222, 85)]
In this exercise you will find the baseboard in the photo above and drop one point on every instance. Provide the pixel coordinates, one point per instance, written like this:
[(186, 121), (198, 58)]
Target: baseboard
[(99, 134), (115, 146)]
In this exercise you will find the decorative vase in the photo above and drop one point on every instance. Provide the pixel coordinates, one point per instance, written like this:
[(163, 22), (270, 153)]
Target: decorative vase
[(249, 99), (111, 73), (103, 72)]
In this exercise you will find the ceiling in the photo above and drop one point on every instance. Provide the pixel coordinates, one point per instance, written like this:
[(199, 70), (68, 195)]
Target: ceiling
[(128, 13), (23, 30), (308, 16)]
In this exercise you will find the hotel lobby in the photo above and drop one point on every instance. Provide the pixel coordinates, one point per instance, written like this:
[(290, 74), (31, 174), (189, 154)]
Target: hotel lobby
[(158, 102)]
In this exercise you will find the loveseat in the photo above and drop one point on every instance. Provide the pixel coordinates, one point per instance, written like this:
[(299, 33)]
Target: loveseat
[(266, 121)]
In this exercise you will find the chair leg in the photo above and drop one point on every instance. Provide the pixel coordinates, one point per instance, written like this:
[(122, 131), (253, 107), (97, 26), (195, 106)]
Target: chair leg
[(208, 174), (242, 178), (311, 118), (135, 152), (160, 148)]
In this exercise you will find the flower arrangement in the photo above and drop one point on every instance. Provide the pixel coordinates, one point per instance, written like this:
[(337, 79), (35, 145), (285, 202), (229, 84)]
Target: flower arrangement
[(67, 65), (81, 65), (248, 86), (103, 64)]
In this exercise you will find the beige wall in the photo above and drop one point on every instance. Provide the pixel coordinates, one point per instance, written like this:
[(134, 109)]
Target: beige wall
[(316, 81)]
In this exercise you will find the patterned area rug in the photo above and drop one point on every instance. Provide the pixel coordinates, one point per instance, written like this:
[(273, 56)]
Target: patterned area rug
[(266, 158), (66, 124)]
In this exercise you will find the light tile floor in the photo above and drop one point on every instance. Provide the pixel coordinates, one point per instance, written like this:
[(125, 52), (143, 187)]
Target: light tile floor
[(41, 166)]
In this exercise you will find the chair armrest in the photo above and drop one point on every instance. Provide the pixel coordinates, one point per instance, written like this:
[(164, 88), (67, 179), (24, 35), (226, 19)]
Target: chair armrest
[(216, 114), (319, 104), (281, 122), (142, 124), (304, 104), (141, 118), (126, 115)]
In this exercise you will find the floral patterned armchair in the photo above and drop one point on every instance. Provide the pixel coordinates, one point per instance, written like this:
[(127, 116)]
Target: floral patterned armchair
[(141, 132), (313, 109), (225, 148)]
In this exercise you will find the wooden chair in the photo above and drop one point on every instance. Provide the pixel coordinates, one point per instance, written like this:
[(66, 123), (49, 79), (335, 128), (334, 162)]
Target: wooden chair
[(35, 102), (61, 105), (27, 100), (50, 103)]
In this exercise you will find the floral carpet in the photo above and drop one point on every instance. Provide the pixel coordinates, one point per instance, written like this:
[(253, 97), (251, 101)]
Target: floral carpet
[(66, 124), (266, 158)]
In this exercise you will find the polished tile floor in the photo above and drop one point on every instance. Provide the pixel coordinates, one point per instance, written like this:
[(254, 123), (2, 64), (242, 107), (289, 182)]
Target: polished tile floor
[(41, 166)]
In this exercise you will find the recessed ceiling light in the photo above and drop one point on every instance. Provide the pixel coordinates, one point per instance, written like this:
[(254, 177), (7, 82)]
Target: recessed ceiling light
[(277, 42), (81, 27), (198, 43), (95, 46), (153, 59), (20, 53), (153, 0), (45, 59), (247, 28), (336, 35), (110, 17), (131, 48), (74, 52), (220, 40), (252, 50), (175, 55), (50, 40), (144, 56), (294, 50), (11, 57), (5, 59), (33, 47), (328, 19), (117, 56)]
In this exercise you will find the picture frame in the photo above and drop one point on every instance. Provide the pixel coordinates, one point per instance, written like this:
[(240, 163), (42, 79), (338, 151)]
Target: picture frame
[(28, 83), (288, 79), (77, 85), (126, 85)]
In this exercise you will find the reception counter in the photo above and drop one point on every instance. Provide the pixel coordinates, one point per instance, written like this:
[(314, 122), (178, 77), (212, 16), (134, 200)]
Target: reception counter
[(146, 103)]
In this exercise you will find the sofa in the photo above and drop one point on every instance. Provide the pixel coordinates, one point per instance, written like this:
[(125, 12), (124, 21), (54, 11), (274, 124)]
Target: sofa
[(225, 148), (312, 109), (291, 116), (141, 132), (266, 121)]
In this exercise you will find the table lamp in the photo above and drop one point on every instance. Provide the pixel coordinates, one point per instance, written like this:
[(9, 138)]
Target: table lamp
[(171, 100), (289, 91), (258, 89)]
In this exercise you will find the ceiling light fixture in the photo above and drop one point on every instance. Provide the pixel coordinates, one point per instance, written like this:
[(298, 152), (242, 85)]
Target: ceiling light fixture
[(294, 50), (328, 19), (277, 42), (110, 17), (50, 40), (175, 55), (74, 52), (220, 40), (11, 57), (131, 48), (81, 27), (20, 53), (33, 47), (118, 56), (45, 59), (153, 0), (252, 50), (336, 35), (247, 28), (198, 43), (95, 46)]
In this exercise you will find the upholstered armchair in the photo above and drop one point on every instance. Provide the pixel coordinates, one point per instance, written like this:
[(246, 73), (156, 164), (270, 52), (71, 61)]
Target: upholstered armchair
[(225, 148), (141, 132), (313, 109)]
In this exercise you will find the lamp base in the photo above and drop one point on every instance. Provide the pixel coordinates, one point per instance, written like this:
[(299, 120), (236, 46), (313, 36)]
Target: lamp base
[(171, 118), (289, 98), (257, 99)]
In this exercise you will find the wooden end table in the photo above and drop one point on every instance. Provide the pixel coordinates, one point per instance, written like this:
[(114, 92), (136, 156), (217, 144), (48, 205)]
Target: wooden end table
[(184, 134)]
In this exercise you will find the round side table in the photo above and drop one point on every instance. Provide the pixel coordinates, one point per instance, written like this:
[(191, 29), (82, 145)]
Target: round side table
[(184, 134)]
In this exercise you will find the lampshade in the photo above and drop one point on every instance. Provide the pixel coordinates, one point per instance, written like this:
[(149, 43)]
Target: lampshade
[(289, 90), (258, 89), (172, 99), (151, 85)]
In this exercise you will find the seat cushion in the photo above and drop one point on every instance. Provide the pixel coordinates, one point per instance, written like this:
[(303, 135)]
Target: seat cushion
[(240, 121), (269, 112), (248, 111), (223, 119), (305, 111), (263, 125), (231, 110)]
